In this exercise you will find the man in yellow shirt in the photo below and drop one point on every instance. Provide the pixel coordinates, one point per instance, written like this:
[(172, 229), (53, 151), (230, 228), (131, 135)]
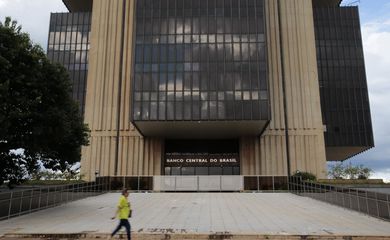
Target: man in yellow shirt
[(123, 213)]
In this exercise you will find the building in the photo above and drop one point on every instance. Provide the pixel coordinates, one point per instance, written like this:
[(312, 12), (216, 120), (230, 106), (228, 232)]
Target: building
[(215, 87)]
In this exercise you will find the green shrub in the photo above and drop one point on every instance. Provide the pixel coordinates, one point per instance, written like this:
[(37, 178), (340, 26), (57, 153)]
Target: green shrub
[(306, 176)]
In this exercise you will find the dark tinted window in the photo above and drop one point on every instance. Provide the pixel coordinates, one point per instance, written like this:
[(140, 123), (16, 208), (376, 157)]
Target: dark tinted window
[(342, 77), (192, 46), (69, 45)]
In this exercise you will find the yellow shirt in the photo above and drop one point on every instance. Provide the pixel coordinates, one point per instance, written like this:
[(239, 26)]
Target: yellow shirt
[(124, 208)]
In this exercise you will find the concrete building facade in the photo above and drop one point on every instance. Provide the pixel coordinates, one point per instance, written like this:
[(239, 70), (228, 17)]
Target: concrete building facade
[(216, 87)]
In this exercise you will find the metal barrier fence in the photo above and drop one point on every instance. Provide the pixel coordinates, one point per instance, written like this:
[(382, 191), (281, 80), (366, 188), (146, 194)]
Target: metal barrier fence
[(371, 203), (132, 183), (16, 203), (265, 183), (196, 183)]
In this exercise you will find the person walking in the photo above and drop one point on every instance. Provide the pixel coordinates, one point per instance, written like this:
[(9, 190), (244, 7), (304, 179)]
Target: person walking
[(123, 212)]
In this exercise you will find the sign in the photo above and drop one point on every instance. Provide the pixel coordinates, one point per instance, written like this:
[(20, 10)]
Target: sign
[(201, 159)]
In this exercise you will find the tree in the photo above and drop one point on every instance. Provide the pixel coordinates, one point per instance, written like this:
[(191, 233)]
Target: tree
[(37, 113), (337, 171), (351, 171), (364, 172)]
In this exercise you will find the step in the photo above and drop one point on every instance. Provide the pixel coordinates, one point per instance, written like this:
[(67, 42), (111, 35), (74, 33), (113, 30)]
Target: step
[(188, 236)]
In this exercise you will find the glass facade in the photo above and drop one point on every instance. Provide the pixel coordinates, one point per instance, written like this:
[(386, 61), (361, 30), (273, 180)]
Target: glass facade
[(342, 77), (69, 45), (200, 60)]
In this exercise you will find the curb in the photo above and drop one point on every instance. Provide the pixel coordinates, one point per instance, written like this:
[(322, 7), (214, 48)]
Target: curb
[(188, 236)]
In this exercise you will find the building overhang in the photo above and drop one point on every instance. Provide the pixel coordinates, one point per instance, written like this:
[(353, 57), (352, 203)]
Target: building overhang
[(78, 5), (326, 3), (201, 129), (86, 5), (341, 153)]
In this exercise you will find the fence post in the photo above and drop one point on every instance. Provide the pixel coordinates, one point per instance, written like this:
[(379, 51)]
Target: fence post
[(358, 199), (31, 198), (21, 203), (73, 191), (67, 193), (325, 191), (350, 199), (273, 184), (39, 199), (138, 178), (175, 182), (55, 195), (47, 196), (62, 189), (377, 204), (220, 183), (387, 204), (10, 205)]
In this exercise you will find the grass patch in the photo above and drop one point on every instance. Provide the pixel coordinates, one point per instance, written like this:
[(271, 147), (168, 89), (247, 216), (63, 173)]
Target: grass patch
[(353, 181)]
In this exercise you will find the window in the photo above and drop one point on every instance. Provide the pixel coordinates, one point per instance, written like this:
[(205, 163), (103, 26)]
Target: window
[(69, 45), (215, 46)]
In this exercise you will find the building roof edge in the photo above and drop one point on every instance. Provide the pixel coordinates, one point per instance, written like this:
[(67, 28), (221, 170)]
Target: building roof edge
[(78, 5)]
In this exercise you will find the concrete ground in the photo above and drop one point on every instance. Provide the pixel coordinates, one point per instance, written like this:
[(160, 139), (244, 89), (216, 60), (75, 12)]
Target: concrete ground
[(202, 213)]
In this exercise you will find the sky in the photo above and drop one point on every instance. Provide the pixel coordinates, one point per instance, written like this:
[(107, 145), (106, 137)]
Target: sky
[(34, 17)]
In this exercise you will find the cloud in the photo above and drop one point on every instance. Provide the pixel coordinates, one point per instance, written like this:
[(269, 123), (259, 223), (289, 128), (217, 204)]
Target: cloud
[(383, 174), (33, 15), (2, 3)]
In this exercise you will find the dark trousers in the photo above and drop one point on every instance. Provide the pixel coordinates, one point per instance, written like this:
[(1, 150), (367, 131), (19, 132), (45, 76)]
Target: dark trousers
[(123, 223)]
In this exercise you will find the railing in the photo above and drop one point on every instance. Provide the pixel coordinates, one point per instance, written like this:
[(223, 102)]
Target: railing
[(132, 183), (16, 203), (196, 183), (265, 183), (372, 203)]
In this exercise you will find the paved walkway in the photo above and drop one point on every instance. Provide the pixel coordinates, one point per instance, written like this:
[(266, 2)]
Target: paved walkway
[(205, 213)]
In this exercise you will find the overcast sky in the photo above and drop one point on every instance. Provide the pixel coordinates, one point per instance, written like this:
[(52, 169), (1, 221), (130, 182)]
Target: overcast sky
[(34, 15)]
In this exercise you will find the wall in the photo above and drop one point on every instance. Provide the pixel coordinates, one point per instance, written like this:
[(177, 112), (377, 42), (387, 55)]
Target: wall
[(264, 155), (137, 155), (267, 155)]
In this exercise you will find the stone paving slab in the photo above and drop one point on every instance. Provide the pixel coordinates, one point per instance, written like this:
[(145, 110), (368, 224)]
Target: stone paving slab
[(151, 236), (279, 214)]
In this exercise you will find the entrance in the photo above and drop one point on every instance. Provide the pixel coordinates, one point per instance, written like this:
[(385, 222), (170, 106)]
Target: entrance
[(202, 157)]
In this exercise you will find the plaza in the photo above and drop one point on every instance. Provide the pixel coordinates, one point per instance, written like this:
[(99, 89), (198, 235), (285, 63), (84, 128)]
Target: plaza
[(201, 214)]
